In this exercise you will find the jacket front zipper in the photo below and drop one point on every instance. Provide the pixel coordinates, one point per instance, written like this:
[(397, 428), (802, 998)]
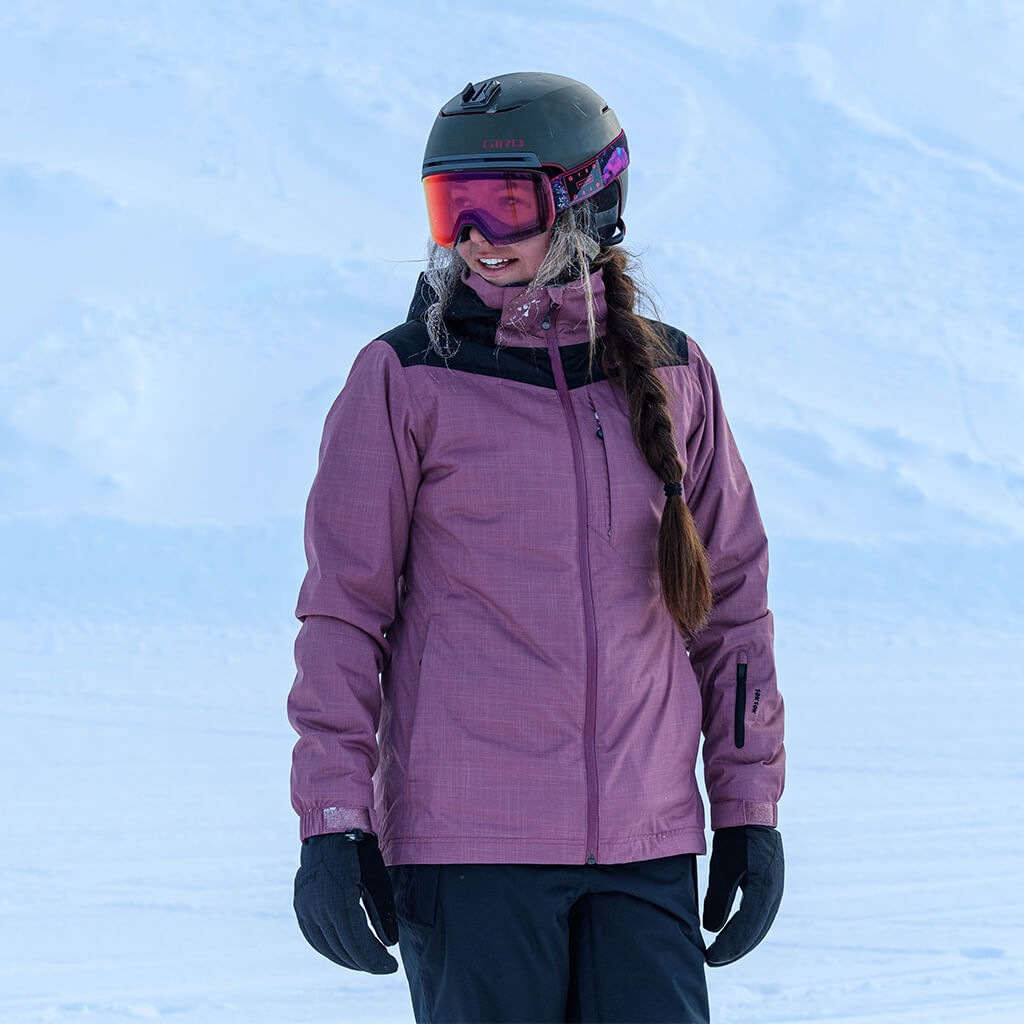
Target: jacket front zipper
[(589, 621)]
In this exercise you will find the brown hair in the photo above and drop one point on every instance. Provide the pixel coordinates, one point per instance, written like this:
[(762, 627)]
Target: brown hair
[(633, 348)]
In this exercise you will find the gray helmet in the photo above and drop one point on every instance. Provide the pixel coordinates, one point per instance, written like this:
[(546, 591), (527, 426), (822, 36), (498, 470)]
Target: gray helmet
[(530, 120)]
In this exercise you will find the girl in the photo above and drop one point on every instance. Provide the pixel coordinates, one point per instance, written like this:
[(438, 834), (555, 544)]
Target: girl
[(537, 574)]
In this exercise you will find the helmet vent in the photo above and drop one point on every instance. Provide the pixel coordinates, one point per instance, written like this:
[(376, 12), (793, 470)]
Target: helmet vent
[(479, 97)]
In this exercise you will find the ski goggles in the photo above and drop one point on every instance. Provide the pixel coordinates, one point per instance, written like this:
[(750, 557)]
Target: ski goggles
[(507, 205)]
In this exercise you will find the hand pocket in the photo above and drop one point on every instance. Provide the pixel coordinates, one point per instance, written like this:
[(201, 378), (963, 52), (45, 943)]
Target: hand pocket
[(415, 888)]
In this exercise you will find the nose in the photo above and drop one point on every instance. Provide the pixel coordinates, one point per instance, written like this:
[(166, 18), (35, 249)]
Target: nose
[(472, 233)]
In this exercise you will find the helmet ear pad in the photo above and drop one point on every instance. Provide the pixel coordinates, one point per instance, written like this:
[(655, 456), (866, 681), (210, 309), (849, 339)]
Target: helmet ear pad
[(608, 206)]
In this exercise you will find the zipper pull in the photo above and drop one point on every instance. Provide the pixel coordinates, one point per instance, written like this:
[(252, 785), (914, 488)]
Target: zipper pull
[(546, 322), (600, 432)]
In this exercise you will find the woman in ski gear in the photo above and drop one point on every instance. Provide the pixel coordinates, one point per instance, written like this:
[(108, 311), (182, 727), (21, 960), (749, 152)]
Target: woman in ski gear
[(537, 575)]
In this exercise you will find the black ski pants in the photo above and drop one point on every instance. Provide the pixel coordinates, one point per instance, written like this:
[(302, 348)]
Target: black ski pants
[(552, 943)]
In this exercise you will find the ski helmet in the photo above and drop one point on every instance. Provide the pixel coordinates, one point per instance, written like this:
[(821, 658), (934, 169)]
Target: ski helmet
[(532, 122)]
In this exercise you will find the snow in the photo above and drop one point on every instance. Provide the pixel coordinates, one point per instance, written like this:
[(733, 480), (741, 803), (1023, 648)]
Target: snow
[(206, 209)]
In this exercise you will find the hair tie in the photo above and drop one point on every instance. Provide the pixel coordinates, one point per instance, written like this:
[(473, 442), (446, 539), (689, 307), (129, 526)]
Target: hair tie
[(676, 489)]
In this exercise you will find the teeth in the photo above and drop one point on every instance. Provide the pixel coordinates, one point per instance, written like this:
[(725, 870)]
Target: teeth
[(493, 263)]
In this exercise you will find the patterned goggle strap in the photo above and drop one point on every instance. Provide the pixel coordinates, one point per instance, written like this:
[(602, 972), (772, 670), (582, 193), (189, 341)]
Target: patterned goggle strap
[(574, 186)]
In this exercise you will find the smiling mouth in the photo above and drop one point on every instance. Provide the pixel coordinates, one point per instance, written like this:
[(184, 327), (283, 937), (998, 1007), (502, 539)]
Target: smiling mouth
[(493, 264)]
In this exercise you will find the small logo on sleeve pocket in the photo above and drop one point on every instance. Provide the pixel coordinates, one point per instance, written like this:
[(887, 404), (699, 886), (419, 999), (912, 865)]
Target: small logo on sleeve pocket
[(757, 702)]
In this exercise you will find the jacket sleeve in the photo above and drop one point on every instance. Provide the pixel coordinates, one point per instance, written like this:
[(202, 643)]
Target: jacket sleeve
[(733, 657), (357, 529)]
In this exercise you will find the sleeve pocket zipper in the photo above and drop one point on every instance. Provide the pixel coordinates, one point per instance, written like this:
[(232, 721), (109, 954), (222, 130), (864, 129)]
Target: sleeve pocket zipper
[(741, 700)]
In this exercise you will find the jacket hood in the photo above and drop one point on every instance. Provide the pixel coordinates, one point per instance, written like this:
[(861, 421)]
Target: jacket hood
[(511, 316)]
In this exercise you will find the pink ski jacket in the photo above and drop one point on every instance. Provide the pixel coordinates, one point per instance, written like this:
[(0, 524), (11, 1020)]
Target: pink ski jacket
[(486, 669)]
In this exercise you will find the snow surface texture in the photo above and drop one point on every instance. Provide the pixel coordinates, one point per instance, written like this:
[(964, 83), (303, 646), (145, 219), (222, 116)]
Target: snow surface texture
[(207, 209)]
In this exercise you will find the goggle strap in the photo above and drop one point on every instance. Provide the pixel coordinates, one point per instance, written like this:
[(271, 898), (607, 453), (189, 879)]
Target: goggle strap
[(574, 186)]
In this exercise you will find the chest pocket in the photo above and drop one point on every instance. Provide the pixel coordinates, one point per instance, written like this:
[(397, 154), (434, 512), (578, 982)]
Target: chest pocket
[(623, 490)]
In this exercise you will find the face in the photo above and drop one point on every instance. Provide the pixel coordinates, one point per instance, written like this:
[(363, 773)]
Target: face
[(505, 264)]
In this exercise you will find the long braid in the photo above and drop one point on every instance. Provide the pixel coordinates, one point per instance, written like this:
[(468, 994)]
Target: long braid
[(634, 348)]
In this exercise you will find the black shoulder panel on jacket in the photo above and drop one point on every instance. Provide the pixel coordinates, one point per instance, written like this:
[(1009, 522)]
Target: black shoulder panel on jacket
[(676, 338), (410, 341), (525, 365)]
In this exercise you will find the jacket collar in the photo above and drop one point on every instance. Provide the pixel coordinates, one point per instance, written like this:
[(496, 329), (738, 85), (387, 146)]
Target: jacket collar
[(510, 316)]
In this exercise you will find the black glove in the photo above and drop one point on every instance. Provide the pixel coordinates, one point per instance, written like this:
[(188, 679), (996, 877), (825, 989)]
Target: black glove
[(748, 857), (335, 870)]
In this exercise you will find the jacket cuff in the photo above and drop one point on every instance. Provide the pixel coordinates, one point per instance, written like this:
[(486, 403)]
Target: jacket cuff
[(318, 820), (730, 813)]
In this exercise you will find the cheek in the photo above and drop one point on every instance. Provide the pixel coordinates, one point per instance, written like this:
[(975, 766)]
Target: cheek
[(533, 257), (536, 262)]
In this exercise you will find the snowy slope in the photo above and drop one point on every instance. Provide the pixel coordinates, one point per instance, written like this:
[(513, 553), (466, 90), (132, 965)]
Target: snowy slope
[(206, 209)]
